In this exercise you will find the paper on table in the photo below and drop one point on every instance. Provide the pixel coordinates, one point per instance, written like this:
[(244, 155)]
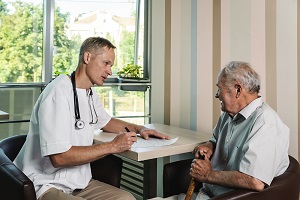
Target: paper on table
[(152, 142)]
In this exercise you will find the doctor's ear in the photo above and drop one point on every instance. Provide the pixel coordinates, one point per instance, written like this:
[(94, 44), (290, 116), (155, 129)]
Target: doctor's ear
[(86, 57)]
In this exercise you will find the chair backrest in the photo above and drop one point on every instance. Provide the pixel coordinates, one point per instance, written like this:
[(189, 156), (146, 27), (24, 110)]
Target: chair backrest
[(108, 170), (12, 145), (176, 179), (14, 184)]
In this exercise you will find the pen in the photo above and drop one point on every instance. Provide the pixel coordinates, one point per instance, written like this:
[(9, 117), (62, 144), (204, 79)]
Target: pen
[(138, 135), (129, 131)]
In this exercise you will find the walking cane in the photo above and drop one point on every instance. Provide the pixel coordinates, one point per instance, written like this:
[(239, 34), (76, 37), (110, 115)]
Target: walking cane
[(191, 188), (190, 191)]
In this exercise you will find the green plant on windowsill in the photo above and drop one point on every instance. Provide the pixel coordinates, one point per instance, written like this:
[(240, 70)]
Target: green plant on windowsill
[(131, 71)]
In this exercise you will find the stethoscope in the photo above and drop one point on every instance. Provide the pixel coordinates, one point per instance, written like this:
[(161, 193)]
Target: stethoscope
[(79, 124)]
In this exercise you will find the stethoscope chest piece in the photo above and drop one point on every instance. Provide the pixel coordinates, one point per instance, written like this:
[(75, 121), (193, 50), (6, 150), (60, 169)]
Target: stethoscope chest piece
[(79, 124)]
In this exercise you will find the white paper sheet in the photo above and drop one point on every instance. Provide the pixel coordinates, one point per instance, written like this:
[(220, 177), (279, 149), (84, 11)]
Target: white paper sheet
[(152, 142)]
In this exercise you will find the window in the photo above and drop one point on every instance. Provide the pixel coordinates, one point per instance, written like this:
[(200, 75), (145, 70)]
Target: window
[(115, 20), (21, 39), (40, 39), (24, 30)]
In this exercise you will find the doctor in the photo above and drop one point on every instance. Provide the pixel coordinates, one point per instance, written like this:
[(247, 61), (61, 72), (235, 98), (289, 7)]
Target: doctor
[(59, 146)]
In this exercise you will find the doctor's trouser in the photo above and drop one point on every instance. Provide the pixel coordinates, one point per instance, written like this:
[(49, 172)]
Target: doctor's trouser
[(95, 190)]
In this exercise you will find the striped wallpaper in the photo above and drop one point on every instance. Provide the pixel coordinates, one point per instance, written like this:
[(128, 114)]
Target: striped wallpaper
[(193, 39)]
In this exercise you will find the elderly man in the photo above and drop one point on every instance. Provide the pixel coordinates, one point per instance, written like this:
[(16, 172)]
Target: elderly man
[(249, 144)]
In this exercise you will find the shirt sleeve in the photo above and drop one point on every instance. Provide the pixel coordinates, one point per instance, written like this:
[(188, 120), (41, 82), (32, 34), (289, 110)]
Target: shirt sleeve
[(262, 152), (54, 124)]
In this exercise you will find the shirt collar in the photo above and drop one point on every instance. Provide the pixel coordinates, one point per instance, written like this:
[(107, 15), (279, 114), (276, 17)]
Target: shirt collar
[(250, 108)]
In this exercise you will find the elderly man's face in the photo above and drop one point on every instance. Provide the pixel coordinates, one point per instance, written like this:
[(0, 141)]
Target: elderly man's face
[(227, 97)]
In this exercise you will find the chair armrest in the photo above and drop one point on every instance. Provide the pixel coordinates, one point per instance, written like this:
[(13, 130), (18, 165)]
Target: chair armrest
[(14, 184), (285, 186), (275, 193), (108, 170)]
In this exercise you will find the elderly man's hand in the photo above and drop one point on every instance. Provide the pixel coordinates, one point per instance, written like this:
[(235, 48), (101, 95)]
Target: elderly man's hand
[(203, 149), (201, 169)]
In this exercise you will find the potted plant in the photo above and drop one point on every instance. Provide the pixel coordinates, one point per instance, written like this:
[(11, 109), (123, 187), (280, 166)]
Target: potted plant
[(132, 73)]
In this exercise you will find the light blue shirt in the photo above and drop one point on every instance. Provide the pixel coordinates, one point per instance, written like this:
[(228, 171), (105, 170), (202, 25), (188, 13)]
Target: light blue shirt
[(255, 142)]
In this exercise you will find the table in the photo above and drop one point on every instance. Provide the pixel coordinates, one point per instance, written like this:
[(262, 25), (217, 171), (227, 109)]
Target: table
[(3, 115), (187, 140)]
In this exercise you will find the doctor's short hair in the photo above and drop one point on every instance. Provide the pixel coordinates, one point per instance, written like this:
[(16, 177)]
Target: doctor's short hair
[(241, 73), (92, 44)]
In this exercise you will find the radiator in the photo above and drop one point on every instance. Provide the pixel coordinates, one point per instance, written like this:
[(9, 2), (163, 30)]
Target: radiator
[(132, 178)]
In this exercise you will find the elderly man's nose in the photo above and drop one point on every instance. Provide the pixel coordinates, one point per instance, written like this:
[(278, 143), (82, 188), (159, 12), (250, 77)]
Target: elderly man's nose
[(217, 94)]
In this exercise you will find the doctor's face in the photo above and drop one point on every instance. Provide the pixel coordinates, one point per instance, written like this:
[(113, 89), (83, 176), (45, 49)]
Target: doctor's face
[(99, 65)]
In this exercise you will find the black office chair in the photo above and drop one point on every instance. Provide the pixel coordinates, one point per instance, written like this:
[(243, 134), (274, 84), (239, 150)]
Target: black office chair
[(15, 185), (176, 180)]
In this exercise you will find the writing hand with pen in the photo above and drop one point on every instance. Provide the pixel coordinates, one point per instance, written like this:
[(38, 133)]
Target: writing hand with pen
[(123, 141)]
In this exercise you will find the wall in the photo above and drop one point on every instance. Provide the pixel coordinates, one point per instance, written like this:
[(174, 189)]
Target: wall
[(193, 39)]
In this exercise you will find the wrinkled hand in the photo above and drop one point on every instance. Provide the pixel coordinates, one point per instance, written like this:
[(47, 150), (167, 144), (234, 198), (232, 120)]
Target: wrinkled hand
[(201, 169), (202, 149), (123, 141), (146, 133)]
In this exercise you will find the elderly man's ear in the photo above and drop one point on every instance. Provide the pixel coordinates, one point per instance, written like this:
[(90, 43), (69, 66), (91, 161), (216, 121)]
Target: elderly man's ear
[(238, 90)]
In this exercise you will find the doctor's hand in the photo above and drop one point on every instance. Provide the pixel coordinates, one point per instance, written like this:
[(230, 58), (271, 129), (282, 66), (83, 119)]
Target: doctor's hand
[(146, 133), (123, 141)]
